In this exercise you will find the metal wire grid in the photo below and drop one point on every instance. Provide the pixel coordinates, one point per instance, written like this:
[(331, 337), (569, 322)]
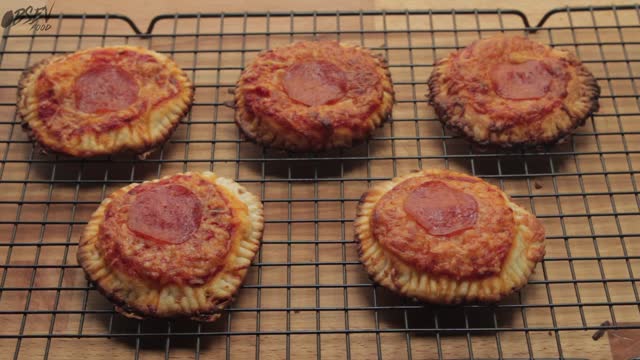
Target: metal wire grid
[(306, 294)]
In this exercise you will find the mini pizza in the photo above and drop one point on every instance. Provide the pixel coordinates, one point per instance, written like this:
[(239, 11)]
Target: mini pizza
[(509, 90), (446, 237), (313, 96), (175, 247), (103, 100)]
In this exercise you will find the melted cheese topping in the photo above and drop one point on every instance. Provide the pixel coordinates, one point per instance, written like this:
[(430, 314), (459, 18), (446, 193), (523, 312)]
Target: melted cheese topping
[(191, 260), (512, 79), (313, 95), (476, 248), (101, 90)]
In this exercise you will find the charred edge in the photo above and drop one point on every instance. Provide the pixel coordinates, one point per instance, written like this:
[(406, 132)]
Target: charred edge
[(212, 313), (27, 76), (452, 123)]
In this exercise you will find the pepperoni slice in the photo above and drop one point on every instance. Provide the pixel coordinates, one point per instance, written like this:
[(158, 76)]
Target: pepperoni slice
[(166, 213), (315, 83), (441, 209), (105, 88), (525, 81)]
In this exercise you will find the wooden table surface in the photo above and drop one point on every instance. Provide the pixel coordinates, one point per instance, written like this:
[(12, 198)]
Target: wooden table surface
[(40, 213)]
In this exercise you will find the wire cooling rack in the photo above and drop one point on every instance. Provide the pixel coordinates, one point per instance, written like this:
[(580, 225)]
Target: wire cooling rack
[(306, 294)]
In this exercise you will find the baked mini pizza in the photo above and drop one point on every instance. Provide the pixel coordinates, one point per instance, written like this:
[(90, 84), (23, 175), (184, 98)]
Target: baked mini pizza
[(509, 90), (103, 100), (313, 96), (179, 246), (446, 237)]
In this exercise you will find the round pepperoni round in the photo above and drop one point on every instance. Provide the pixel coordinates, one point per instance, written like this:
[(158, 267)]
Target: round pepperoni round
[(167, 213), (315, 83), (441, 209), (524, 81), (105, 88)]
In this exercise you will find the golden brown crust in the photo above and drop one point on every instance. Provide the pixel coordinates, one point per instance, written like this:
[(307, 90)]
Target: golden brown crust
[(50, 102), (463, 91), (355, 96), (403, 258), (188, 287)]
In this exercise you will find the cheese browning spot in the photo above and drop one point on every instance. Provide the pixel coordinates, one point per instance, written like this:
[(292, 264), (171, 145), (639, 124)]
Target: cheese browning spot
[(165, 213), (315, 83), (105, 88), (525, 81), (440, 209)]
